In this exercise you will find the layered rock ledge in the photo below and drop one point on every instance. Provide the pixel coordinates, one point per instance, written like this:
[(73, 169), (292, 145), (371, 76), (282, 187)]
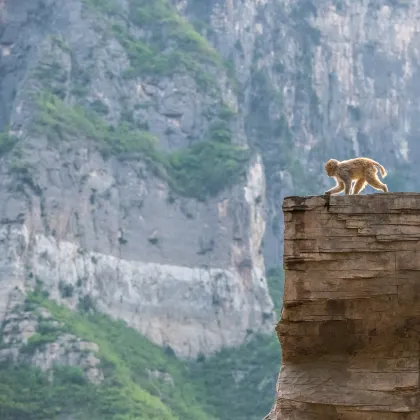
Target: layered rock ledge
[(350, 326)]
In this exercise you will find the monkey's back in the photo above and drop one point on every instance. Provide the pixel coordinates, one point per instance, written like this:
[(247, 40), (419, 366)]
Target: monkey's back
[(357, 167)]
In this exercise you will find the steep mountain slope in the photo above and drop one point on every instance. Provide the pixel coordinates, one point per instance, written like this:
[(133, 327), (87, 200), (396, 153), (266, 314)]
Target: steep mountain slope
[(129, 181)]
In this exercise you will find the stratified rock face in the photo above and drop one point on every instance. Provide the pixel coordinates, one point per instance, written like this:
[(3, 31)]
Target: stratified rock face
[(350, 326)]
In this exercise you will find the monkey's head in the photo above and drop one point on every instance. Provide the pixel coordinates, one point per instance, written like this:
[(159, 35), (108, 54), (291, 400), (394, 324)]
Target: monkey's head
[(331, 167)]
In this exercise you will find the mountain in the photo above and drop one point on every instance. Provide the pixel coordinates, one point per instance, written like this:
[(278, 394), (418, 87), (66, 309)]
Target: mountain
[(146, 148)]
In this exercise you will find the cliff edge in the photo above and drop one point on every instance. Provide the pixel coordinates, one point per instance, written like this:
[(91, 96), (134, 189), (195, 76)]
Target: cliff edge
[(350, 325)]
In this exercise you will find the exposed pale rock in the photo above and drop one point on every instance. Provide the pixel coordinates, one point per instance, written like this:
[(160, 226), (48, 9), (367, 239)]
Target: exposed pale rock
[(197, 286), (349, 329)]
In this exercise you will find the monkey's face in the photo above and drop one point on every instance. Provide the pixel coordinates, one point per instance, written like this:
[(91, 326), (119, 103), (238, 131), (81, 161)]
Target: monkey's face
[(331, 167)]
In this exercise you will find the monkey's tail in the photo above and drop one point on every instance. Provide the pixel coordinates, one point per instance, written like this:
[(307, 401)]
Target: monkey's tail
[(382, 169)]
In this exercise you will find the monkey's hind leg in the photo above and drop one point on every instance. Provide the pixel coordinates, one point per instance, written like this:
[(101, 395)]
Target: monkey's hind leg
[(359, 186), (373, 180), (337, 189)]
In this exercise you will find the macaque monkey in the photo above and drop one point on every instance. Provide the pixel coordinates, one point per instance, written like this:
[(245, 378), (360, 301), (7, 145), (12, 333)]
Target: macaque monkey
[(362, 170)]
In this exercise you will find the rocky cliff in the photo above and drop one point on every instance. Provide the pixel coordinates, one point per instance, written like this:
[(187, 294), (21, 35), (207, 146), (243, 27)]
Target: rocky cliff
[(349, 327), (97, 200)]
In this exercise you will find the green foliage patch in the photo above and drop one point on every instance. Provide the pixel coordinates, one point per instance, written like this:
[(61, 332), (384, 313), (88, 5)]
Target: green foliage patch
[(7, 142), (26, 393), (60, 121), (109, 7), (167, 27), (206, 168), (201, 170), (239, 384), (169, 42), (39, 340), (220, 131)]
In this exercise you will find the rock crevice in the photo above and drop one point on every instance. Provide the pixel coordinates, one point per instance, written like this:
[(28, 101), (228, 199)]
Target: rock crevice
[(350, 325)]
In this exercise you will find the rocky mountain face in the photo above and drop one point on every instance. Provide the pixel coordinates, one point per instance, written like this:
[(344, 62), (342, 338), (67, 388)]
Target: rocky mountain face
[(146, 148), (349, 326), (94, 210)]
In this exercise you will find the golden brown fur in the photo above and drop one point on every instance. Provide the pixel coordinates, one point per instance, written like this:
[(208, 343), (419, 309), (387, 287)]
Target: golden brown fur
[(362, 170)]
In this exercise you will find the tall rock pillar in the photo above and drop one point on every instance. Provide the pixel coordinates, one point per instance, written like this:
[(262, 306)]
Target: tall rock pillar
[(350, 326)]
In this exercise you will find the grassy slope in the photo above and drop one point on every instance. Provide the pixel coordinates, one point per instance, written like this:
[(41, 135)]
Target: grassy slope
[(234, 384), (127, 392)]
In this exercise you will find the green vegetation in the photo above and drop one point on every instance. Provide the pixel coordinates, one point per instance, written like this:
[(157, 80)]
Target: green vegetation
[(109, 7), (99, 107), (206, 168), (170, 43), (127, 392), (239, 384), (220, 131), (61, 43), (39, 340), (201, 170), (7, 142), (235, 384), (66, 290), (226, 113), (59, 121), (26, 393)]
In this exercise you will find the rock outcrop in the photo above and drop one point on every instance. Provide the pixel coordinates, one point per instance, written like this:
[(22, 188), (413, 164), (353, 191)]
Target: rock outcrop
[(350, 325)]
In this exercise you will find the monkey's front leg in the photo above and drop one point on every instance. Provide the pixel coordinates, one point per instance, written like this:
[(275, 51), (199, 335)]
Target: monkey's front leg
[(337, 189), (347, 188)]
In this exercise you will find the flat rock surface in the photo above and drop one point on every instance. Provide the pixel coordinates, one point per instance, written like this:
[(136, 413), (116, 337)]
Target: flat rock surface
[(350, 326)]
